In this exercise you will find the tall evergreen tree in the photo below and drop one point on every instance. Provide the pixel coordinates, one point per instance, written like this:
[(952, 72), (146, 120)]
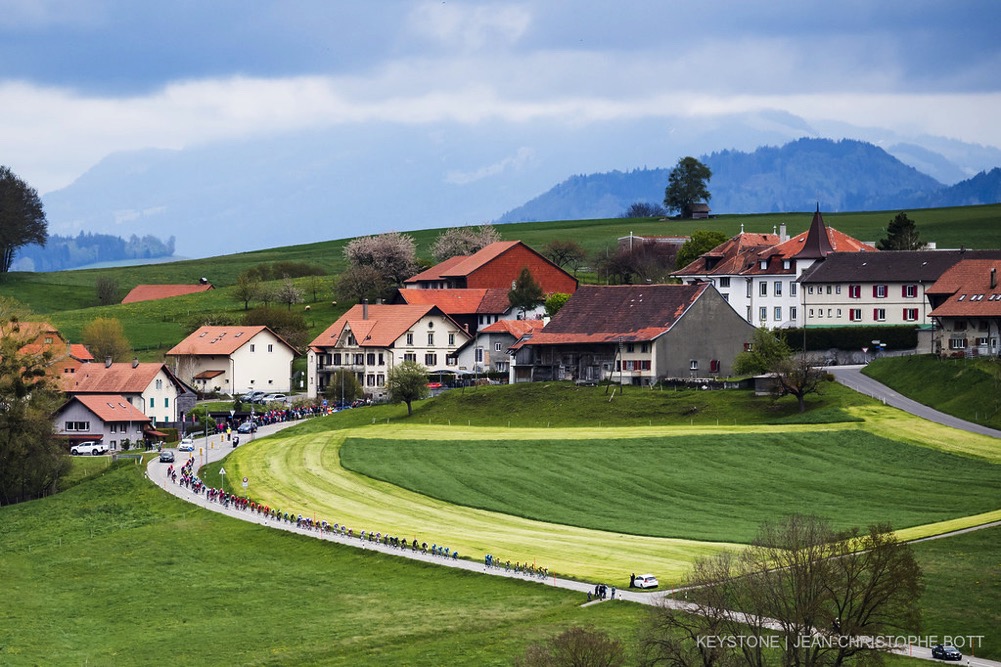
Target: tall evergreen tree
[(901, 234), (526, 294)]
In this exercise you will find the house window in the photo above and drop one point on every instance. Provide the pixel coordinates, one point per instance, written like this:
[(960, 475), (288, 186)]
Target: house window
[(371, 359), (811, 313), (694, 365), (763, 313), (351, 339), (166, 402), (497, 347), (828, 289), (957, 343), (479, 355), (809, 289), (430, 339), (370, 380), (879, 291), (380, 380), (748, 315), (410, 356), (820, 312), (336, 359), (252, 347), (879, 314), (910, 314), (430, 359), (451, 339), (77, 426), (792, 289), (786, 264), (714, 365), (159, 385), (763, 288), (909, 291), (854, 314), (829, 312), (152, 402), (763, 264), (793, 311), (644, 347), (630, 347), (837, 289), (778, 288), (382, 359), (778, 313), (959, 325), (359, 359), (724, 281), (410, 338), (839, 313), (451, 360), (854, 291), (748, 296)]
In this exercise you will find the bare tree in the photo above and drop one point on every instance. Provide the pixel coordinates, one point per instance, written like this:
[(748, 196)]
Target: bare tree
[(107, 290), (565, 254), (576, 647)]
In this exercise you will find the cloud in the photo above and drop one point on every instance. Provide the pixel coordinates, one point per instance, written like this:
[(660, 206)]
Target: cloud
[(517, 161)]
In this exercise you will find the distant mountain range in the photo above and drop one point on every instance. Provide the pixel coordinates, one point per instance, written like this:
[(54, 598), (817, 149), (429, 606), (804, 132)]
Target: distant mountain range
[(845, 175)]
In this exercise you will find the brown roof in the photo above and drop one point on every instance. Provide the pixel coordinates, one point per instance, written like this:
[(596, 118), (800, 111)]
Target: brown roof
[(154, 292), (619, 313), (733, 256), (516, 328), (437, 272), (802, 246), (969, 285), (219, 340), (115, 379), (80, 352), (383, 326), (110, 408)]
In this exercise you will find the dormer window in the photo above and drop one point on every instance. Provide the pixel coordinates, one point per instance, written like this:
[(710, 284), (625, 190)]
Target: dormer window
[(786, 264), (763, 264)]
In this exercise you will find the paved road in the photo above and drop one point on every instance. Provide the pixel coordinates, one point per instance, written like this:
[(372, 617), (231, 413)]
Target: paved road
[(852, 377), (216, 448)]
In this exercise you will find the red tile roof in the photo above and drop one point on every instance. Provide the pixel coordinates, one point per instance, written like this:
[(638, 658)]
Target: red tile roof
[(969, 285), (383, 326), (516, 328), (219, 340), (110, 408), (154, 292), (438, 271), (733, 256), (80, 352), (121, 378), (626, 313), (479, 258), (460, 301)]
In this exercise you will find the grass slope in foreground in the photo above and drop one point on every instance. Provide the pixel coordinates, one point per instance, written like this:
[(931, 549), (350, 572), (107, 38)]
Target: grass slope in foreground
[(115, 571), (716, 487)]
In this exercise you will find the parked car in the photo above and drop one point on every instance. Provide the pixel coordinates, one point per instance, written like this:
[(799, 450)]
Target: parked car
[(252, 396), (273, 398), (187, 444), (646, 581), (946, 652), (246, 427), (91, 447), (166, 456)]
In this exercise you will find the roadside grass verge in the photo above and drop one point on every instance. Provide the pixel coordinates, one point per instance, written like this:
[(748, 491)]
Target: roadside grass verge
[(82, 468), (966, 388), (714, 487), (963, 588), (114, 571)]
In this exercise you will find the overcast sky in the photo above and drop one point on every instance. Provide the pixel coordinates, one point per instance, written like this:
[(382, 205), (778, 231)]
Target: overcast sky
[(80, 79)]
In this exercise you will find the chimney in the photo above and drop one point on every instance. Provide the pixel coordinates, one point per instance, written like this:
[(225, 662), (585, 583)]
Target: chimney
[(107, 362), (783, 234), (135, 362), (364, 309), (994, 277)]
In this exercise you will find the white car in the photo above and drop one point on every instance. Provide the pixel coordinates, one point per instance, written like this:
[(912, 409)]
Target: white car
[(646, 581), (91, 447), (273, 398), (187, 444)]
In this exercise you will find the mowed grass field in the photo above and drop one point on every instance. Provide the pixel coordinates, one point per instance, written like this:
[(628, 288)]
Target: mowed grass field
[(705, 487), (116, 572)]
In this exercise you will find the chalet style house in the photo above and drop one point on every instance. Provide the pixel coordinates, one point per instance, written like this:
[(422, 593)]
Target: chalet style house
[(636, 335), (233, 360), (966, 309), (757, 273), (109, 418), (489, 350), (369, 340), (151, 388)]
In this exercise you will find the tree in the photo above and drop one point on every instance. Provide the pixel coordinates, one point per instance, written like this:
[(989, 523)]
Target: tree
[(22, 219), (105, 338), (343, 386), (794, 375), (901, 234), (576, 647), (407, 382), (360, 282), (248, 286), (291, 326), (463, 241), (687, 184), (526, 294), (799, 578), (107, 290), (638, 262), (555, 302), (393, 255), (644, 210), (31, 461), (565, 254), (288, 293), (700, 242)]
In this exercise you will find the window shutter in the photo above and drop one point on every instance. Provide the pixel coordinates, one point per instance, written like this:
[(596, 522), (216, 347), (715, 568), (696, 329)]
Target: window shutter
[(903, 291), (875, 291), (875, 314)]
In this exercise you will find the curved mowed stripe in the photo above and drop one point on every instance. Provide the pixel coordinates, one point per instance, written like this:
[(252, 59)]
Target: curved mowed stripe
[(303, 474)]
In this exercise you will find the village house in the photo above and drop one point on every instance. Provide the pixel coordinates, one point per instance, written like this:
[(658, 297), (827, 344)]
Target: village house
[(637, 334), (496, 265), (152, 388), (757, 273), (233, 360), (369, 340), (966, 309), (65, 358), (109, 418), (472, 309), (489, 351)]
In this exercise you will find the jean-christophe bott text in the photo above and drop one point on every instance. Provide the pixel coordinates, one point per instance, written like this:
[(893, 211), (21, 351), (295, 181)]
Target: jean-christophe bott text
[(879, 642)]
